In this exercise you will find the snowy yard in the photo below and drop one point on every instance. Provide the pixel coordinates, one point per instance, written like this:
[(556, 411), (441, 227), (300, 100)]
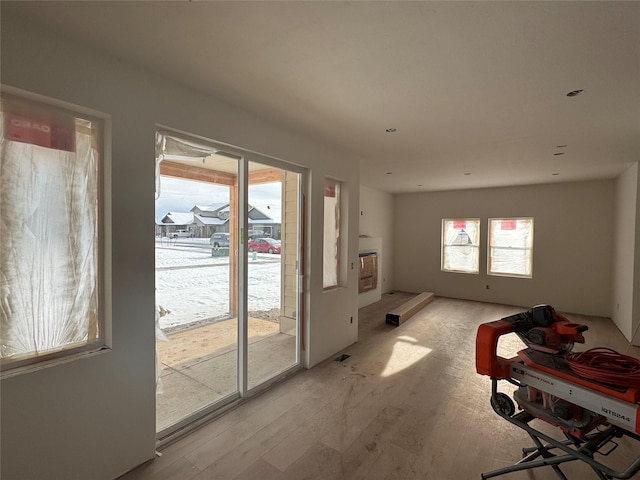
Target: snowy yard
[(193, 285)]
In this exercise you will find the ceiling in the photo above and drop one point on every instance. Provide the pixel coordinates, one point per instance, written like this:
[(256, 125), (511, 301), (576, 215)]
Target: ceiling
[(476, 91)]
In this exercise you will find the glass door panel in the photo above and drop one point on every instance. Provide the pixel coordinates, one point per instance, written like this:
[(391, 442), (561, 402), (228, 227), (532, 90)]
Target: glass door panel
[(196, 276), (272, 266)]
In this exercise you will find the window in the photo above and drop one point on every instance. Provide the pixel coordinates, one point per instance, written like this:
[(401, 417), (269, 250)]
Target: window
[(511, 247), (331, 260), (460, 241), (50, 293)]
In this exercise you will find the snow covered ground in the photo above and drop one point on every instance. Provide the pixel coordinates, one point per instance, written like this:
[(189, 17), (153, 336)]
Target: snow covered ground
[(194, 286)]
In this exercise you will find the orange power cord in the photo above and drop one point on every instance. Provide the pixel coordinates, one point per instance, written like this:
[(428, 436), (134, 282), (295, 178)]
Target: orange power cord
[(607, 366)]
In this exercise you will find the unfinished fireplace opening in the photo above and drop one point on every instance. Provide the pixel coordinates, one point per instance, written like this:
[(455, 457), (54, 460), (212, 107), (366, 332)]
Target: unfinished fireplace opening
[(368, 271)]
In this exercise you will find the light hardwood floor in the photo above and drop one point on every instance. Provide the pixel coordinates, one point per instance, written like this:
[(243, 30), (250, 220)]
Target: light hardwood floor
[(407, 404)]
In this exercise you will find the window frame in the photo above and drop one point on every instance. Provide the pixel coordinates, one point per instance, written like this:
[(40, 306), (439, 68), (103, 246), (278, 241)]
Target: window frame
[(490, 247), (444, 246), (21, 102)]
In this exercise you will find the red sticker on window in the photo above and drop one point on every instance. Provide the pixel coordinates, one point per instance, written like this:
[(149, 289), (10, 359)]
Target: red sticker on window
[(27, 130), (457, 224), (329, 190), (38, 132), (508, 224)]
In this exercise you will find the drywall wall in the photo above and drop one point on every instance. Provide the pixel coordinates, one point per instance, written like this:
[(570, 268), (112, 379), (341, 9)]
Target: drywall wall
[(334, 310), (624, 251), (95, 418), (376, 221), (572, 244)]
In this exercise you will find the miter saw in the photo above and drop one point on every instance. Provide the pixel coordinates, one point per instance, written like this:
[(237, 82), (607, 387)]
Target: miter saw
[(591, 403)]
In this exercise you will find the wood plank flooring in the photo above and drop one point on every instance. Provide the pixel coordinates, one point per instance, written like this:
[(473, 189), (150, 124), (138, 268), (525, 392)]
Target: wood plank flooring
[(407, 404)]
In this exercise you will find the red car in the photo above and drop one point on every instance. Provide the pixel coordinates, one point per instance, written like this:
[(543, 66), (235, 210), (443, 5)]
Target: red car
[(264, 245)]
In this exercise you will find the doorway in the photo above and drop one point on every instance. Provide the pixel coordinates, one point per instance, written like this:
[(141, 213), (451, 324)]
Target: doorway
[(227, 267)]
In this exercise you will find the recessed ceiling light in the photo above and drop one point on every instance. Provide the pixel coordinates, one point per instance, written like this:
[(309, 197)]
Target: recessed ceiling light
[(391, 130), (575, 93), (559, 153)]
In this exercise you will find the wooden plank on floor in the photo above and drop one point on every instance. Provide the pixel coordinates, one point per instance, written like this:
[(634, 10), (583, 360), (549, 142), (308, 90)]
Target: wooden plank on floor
[(405, 311)]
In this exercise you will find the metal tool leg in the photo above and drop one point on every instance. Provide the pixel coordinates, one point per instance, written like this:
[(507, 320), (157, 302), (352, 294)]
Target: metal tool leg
[(573, 449)]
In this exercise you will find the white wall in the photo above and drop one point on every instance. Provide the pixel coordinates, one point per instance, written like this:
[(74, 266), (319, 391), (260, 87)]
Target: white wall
[(625, 240), (376, 220), (95, 418), (572, 244), (335, 311)]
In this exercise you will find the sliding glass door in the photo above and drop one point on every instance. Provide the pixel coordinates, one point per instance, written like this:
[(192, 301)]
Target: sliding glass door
[(227, 259)]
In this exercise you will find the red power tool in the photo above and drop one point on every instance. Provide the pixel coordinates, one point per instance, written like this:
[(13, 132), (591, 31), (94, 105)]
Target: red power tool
[(589, 412)]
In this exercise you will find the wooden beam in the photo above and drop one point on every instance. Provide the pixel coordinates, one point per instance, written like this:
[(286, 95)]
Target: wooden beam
[(265, 176), (191, 172)]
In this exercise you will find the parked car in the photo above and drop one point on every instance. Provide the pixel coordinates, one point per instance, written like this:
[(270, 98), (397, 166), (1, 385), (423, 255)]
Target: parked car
[(219, 240), (264, 245), (181, 233)]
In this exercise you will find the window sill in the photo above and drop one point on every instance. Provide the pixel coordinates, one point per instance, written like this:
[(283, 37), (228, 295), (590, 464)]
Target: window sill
[(333, 289), (34, 367)]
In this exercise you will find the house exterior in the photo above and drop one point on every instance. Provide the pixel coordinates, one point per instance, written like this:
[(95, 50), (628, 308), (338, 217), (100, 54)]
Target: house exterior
[(204, 221), (174, 221)]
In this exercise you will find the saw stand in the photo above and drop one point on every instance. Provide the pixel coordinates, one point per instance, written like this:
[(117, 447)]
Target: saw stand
[(569, 450)]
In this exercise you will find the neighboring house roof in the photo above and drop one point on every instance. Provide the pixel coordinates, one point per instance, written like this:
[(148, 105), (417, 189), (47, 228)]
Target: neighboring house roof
[(177, 218), (257, 214), (200, 220), (221, 210), (210, 210), (214, 214)]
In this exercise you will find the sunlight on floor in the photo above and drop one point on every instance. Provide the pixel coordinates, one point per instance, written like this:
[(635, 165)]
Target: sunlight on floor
[(406, 352)]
